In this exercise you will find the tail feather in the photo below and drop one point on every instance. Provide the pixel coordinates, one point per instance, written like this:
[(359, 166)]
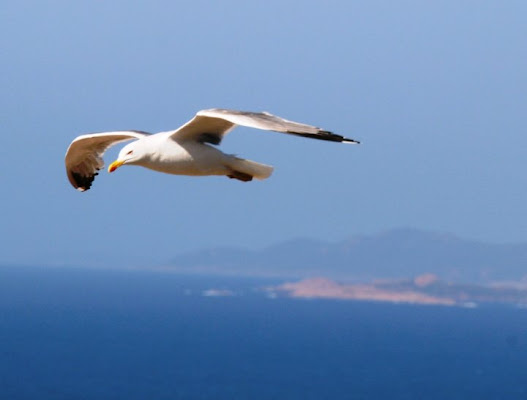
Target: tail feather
[(251, 168)]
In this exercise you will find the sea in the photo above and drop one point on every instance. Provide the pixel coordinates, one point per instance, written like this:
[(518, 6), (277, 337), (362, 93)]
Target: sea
[(80, 333)]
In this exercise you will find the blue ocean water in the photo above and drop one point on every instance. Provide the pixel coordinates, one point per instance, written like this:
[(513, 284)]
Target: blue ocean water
[(86, 334)]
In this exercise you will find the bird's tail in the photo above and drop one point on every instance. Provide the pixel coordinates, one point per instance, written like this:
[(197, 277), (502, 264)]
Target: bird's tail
[(246, 170)]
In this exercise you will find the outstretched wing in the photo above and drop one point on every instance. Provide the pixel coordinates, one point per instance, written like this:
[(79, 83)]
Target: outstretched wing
[(84, 155), (209, 126)]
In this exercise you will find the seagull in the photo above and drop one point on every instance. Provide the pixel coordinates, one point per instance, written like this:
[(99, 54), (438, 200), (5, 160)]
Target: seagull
[(188, 150)]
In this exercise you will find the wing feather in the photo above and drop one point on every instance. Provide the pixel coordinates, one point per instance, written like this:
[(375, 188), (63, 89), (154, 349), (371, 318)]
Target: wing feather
[(84, 155), (212, 125)]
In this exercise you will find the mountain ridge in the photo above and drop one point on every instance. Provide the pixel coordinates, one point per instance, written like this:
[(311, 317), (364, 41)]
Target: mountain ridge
[(398, 253)]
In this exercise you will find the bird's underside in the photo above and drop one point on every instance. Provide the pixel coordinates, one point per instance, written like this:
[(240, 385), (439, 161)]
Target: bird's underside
[(166, 151)]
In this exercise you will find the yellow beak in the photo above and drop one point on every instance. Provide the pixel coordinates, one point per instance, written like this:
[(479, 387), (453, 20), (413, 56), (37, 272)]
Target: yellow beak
[(116, 164)]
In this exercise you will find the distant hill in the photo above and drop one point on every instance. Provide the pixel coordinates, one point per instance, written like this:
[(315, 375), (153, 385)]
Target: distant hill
[(395, 254)]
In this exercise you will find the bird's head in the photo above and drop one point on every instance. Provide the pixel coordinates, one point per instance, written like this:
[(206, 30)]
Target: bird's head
[(129, 154)]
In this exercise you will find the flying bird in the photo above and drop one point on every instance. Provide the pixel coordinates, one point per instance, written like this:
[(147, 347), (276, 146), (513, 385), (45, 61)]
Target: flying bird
[(186, 150)]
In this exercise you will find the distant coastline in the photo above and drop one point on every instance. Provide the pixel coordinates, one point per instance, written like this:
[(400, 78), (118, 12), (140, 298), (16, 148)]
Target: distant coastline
[(425, 289)]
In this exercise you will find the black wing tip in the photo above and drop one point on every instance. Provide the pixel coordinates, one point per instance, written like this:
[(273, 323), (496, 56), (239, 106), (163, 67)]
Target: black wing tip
[(326, 135), (348, 140), (338, 138), (81, 182)]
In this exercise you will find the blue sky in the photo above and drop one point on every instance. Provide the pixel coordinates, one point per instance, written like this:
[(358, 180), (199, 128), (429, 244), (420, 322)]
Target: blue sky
[(436, 91)]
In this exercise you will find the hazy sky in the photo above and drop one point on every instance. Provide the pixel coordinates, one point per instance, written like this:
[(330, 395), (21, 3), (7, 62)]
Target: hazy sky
[(436, 91)]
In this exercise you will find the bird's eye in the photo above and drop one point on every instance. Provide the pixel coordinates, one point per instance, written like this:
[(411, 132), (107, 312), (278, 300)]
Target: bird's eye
[(130, 152)]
